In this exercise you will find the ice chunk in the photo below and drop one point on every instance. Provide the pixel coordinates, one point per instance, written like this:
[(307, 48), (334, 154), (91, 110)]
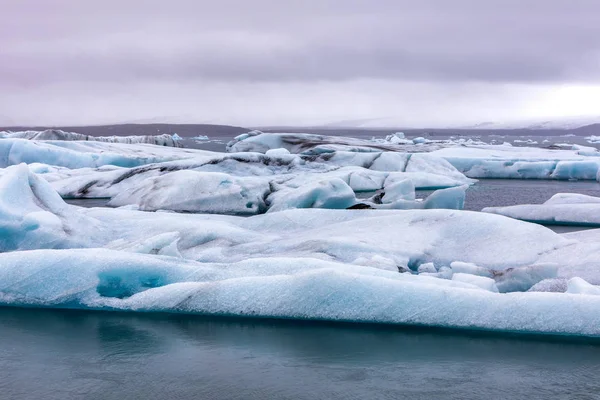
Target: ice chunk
[(32, 214), (209, 192), (556, 285), (522, 162), (576, 170), (82, 154), (580, 286), (572, 198), (389, 161), (365, 181), (277, 152), (427, 268), (480, 281), (396, 138), (57, 134), (470, 268), (287, 288), (431, 164), (380, 262), (522, 279), (451, 198), (399, 190), (562, 208), (334, 193)]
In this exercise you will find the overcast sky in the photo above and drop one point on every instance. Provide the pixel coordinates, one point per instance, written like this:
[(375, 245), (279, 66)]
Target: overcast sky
[(294, 62)]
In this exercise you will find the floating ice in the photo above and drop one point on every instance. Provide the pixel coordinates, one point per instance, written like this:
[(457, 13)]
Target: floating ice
[(281, 288), (561, 209), (197, 191), (580, 286), (254, 178), (471, 157), (522, 162), (396, 138)]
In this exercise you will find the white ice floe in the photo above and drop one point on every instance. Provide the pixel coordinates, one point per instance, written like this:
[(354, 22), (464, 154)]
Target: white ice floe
[(561, 209)]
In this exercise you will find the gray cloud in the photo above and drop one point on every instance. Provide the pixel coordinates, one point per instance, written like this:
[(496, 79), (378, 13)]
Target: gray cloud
[(47, 41), (418, 62)]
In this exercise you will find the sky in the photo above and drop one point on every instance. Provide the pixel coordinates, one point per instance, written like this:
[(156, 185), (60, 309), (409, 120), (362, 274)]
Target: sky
[(419, 63)]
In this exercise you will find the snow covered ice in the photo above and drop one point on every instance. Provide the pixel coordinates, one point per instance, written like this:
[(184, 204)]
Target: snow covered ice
[(298, 252)]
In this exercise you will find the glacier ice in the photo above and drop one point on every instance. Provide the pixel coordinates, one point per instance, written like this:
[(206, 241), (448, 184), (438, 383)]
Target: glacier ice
[(419, 266)]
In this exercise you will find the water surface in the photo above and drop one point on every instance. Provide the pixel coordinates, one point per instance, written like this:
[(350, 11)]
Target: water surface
[(53, 354)]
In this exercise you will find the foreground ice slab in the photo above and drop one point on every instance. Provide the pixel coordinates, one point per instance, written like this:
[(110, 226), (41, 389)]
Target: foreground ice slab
[(285, 288), (561, 209)]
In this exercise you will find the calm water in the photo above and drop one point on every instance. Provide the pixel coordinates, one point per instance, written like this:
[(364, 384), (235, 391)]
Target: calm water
[(49, 355)]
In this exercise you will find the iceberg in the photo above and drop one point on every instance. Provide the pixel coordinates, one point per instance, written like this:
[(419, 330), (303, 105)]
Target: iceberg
[(87, 154), (473, 158), (509, 162), (560, 209), (57, 134), (200, 138), (194, 182)]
